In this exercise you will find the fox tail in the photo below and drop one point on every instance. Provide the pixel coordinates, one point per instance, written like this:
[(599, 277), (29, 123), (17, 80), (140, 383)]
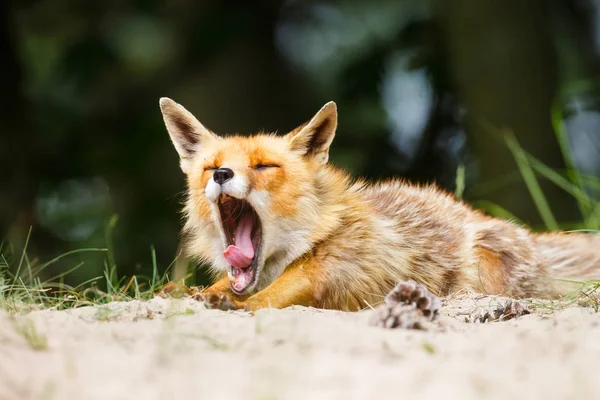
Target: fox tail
[(569, 257)]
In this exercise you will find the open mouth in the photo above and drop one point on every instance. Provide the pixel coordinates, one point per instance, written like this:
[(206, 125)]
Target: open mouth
[(243, 232)]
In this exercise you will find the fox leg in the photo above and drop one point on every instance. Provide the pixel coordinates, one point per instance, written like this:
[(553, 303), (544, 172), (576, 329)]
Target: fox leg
[(219, 295), (222, 285), (294, 287)]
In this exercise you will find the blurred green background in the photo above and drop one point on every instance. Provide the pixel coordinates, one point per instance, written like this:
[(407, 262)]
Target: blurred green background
[(422, 87)]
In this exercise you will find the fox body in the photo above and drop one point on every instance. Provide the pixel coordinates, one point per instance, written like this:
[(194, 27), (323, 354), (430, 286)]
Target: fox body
[(280, 226)]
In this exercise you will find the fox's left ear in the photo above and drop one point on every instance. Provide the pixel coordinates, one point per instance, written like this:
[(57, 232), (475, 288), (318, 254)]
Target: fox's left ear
[(187, 133), (314, 138)]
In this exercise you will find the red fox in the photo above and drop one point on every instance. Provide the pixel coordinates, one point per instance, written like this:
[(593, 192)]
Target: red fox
[(280, 226)]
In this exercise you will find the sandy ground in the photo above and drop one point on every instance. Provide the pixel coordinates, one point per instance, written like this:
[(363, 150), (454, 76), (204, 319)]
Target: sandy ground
[(169, 349)]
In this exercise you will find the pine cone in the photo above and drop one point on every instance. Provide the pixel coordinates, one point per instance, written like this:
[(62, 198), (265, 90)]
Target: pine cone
[(409, 306), (502, 311)]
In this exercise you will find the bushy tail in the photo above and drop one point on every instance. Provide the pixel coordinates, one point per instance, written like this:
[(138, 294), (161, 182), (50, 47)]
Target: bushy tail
[(570, 256)]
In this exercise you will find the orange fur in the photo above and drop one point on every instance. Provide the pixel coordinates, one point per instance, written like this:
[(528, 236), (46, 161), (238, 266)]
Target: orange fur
[(332, 242)]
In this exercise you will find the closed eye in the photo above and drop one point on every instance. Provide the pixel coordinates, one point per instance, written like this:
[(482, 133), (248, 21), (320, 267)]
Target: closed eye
[(211, 168), (260, 167)]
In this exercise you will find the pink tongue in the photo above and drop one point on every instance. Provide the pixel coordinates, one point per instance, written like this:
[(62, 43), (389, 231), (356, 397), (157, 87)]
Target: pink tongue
[(240, 256)]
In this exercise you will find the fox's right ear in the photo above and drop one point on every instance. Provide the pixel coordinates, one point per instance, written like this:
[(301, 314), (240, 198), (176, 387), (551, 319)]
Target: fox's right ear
[(314, 138), (187, 133)]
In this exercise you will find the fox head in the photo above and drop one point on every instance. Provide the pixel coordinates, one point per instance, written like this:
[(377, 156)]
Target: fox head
[(252, 201)]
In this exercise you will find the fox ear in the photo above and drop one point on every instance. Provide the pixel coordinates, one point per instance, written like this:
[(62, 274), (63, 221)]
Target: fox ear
[(314, 138), (186, 132)]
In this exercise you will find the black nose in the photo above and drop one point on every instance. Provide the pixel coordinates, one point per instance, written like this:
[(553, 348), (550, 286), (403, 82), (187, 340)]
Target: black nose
[(222, 175)]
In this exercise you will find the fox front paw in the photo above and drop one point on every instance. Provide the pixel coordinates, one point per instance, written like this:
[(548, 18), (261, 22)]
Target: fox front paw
[(219, 301)]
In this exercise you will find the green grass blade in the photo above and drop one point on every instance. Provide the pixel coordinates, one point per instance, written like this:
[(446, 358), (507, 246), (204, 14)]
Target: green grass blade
[(587, 205), (68, 253), (67, 272), (23, 253), (85, 283), (112, 264), (460, 181), (562, 137), (560, 181), (531, 182), (498, 211), (154, 267)]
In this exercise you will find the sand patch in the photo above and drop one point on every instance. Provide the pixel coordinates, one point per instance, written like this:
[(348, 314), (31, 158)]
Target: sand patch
[(178, 349)]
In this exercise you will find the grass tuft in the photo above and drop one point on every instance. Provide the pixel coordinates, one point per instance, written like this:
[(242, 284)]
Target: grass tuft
[(24, 286)]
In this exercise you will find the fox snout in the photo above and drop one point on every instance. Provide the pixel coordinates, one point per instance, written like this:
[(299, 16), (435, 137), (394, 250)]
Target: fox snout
[(226, 181), (222, 175)]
